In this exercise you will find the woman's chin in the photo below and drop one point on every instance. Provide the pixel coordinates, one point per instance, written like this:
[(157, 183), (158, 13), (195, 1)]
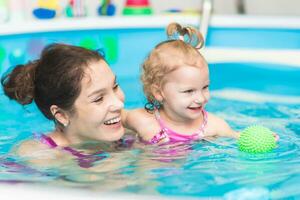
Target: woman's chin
[(115, 135)]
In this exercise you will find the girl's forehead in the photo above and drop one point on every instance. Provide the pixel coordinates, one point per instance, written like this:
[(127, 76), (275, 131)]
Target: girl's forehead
[(189, 71), (187, 75)]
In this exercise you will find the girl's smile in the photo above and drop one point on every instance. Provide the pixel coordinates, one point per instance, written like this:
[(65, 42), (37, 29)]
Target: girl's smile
[(185, 92)]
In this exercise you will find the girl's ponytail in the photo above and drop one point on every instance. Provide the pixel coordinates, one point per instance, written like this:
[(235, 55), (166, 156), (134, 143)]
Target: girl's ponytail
[(187, 34)]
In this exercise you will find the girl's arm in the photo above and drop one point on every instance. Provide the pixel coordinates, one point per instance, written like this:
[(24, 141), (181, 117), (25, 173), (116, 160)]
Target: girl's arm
[(219, 127), (141, 122), (226, 131), (129, 119)]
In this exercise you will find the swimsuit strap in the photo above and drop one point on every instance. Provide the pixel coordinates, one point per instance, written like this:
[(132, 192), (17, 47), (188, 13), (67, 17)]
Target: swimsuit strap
[(45, 140), (159, 119), (203, 125), (175, 135), (52, 144), (85, 160), (157, 138)]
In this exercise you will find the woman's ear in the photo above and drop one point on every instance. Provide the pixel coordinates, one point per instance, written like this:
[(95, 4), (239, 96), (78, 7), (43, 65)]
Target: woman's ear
[(157, 93), (60, 115)]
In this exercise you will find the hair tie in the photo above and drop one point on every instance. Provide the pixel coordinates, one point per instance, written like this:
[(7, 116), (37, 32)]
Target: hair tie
[(101, 52), (175, 36)]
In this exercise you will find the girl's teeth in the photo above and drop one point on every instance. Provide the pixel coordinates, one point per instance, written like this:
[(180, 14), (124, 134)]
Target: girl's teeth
[(194, 108)]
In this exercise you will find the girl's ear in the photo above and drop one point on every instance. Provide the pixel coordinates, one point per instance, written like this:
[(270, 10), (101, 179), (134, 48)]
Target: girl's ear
[(60, 115), (157, 93)]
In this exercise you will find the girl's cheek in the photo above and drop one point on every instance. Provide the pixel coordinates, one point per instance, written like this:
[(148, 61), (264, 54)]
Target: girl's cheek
[(207, 95)]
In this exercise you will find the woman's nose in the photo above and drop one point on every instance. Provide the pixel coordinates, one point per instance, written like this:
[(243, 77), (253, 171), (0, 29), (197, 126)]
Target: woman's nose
[(116, 103)]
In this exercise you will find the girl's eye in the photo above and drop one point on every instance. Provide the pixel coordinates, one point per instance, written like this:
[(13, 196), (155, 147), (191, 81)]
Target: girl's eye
[(98, 100), (206, 87), (188, 91)]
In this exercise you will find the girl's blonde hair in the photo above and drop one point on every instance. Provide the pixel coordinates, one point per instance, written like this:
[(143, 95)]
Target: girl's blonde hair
[(182, 48)]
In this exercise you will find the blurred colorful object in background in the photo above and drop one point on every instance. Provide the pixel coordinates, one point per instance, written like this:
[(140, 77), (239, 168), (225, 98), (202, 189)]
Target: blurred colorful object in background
[(46, 9), (17, 57), (3, 11), (2, 56), (106, 8), (35, 46), (137, 7), (89, 43), (110, 44), (17, 9), (76, 8)]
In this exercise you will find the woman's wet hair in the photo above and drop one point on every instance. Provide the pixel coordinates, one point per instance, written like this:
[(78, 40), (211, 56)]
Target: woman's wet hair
[(181, 48), (53, 79)]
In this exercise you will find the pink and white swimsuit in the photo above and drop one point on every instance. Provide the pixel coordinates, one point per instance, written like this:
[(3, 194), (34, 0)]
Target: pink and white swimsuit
[(171, 136)]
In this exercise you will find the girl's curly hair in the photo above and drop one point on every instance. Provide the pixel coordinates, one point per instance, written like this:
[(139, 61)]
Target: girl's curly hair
[(181, 49)]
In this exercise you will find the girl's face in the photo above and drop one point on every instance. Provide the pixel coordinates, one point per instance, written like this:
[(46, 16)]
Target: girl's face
[(98, 107), (185, 92)]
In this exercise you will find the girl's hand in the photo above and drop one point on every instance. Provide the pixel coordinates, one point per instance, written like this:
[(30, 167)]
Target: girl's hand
[(276, 136)]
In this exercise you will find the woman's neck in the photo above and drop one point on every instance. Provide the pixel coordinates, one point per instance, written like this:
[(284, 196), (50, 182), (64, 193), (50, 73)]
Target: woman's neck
[(60, 139), (69, 137), (65, 140)]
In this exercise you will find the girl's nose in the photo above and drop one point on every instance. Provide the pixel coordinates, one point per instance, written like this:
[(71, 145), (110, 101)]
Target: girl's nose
[(198, 101), (200, 98)]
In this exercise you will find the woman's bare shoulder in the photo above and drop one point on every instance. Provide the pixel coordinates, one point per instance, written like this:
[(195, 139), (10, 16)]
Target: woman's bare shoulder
[(38, 154), (29, 147)]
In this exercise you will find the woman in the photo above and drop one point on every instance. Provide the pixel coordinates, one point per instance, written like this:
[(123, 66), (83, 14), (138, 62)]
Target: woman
[(75, 88)]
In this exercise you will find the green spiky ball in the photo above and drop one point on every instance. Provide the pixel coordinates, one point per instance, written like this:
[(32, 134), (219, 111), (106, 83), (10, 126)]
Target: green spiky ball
[(256, 139)]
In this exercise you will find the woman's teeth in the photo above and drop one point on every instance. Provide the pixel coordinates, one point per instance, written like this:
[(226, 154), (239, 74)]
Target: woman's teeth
[(112, 121)]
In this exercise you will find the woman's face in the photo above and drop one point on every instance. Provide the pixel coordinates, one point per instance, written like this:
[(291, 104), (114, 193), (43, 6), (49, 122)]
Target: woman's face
[(98, 107)]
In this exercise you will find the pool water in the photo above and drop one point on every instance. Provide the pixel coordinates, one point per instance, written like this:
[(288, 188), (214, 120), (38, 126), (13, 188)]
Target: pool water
[(200, 169), (242, 93)]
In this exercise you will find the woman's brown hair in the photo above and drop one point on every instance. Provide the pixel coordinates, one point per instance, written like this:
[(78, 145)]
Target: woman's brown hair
[(54, 79)]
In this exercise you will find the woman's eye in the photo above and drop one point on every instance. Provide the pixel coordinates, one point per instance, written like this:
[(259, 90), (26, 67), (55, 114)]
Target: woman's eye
[(116, 86), (98, 100)]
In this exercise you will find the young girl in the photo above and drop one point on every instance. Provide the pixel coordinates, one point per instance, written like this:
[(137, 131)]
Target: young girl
[(175, 78)]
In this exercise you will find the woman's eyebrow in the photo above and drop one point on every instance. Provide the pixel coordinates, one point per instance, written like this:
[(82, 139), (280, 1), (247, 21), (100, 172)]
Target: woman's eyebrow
[(96, 92), (101, 89)]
